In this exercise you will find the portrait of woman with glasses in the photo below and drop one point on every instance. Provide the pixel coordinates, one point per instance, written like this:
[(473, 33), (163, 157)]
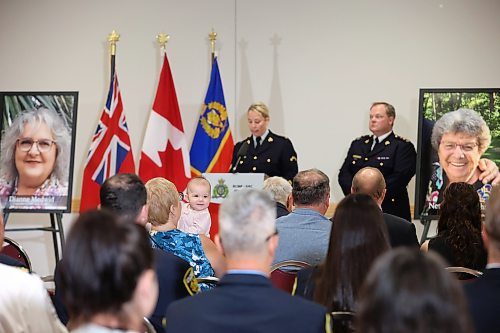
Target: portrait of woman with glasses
[(34, 161), (460, 138)]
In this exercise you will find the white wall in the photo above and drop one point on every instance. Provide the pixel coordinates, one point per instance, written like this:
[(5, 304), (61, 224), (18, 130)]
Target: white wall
[(318, 63)]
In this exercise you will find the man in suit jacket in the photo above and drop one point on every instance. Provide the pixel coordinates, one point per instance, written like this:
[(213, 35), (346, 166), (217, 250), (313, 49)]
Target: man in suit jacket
[(245, 300), (393, 155), (371, 181), (483, 293), (125, 195)]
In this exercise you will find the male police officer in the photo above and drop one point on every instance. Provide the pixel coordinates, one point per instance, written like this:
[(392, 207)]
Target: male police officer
[(393, 155)]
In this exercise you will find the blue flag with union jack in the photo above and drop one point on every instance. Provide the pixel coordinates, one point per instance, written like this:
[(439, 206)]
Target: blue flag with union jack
[(110, 151), (212, 147)]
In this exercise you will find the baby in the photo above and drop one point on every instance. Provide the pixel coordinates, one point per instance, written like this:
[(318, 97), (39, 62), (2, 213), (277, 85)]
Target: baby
[(195, 217)]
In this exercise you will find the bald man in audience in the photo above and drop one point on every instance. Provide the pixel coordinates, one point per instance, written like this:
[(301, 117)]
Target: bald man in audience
[(371, 181), (281, 191), (245, 300), (305, 232), (483, 293), (125, 195)]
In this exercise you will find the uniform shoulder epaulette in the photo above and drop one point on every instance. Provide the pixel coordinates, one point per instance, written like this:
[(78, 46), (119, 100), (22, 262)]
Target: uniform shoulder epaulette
[(366, 136), (401, 138)]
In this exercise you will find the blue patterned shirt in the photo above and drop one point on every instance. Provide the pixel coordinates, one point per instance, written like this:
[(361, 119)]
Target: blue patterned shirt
[(187, 247)]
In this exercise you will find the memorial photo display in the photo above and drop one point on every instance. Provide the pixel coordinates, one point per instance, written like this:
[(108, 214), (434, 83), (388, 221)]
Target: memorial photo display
[(433, 104), (37, 150)]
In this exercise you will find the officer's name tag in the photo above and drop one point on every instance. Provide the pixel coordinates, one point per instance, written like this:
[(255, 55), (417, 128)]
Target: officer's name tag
[(356, 157), (383, 158)]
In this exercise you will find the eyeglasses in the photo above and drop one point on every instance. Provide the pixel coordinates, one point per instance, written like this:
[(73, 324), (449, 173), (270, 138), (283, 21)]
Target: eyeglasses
[(466, 147), (43, 145), (181, 196), (275, 233)]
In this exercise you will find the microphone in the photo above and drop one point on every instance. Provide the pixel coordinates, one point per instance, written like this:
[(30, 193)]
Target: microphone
[(241, 152)]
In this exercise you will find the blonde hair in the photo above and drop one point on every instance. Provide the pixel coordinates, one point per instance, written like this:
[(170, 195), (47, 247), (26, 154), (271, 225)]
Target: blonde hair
[(162, 195), (199, 181), (261, 108)]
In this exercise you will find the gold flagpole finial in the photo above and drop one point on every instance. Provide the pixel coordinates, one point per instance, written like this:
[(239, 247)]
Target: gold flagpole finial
[(113, 38), (212, 36), (162, 39)]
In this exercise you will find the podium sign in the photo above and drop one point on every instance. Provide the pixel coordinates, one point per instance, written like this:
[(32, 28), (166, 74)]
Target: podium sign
[(223, 184)]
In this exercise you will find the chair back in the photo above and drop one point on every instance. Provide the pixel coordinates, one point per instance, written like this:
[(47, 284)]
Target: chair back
[(283, 274), (464, 273), (12, 249), (148, 327), (210, 281), (343, 321)]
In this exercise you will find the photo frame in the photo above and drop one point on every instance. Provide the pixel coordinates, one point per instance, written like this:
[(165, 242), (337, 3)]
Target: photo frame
[(433, 103), (37, 148)]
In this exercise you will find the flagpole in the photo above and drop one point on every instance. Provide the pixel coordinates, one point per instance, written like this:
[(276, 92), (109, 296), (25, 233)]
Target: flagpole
[(212, 36), (113, 38)]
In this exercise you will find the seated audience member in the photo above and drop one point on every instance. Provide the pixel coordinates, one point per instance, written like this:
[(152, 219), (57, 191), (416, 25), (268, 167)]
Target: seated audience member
[(371, 181), (125, 196), (195, 217), (163, 214), (280, 190), (245, 300), (410, 291), (304, 233), (358, 238), (458, 237), (483, 293), (109, 283), (25, 305)]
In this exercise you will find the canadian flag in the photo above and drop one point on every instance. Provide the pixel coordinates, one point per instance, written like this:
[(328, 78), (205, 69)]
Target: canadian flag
[(164, 150)]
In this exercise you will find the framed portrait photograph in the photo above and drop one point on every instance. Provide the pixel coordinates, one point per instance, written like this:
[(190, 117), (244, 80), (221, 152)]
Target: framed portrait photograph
[(451, 144), (37, 146)]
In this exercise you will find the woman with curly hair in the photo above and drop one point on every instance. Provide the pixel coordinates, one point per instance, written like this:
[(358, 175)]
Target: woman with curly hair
[(459, 228)]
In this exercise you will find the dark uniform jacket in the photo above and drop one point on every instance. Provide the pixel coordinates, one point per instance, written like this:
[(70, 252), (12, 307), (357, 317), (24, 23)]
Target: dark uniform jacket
[(173, 273), (275, 157), (395, 157), (483, 295), (245, 303)]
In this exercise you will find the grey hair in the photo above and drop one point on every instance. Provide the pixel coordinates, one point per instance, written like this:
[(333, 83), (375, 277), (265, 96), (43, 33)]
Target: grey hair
[(278, 187), (462, 121), (246, 219), (59, 131)]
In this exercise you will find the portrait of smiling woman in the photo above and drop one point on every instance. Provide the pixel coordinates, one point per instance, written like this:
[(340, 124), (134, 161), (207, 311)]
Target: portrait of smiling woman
[(460, 138), (34, 161)]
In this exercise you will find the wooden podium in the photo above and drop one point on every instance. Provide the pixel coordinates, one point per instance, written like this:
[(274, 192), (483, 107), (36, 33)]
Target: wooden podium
[(223, 184)]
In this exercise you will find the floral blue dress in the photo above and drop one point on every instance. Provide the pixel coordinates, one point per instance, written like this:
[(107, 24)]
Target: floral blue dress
[(187, 247)]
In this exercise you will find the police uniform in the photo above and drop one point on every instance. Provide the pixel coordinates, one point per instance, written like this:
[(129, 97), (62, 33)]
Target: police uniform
[(275, 156), (395, 157)]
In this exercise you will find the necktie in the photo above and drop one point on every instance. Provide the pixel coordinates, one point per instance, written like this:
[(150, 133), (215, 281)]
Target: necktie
[(376, 142), (257, 139)]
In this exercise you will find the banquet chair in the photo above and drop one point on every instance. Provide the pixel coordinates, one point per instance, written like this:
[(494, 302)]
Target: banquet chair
[(210, 281), (464, 273), (14, 250), (283, 274), (148, 327)]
